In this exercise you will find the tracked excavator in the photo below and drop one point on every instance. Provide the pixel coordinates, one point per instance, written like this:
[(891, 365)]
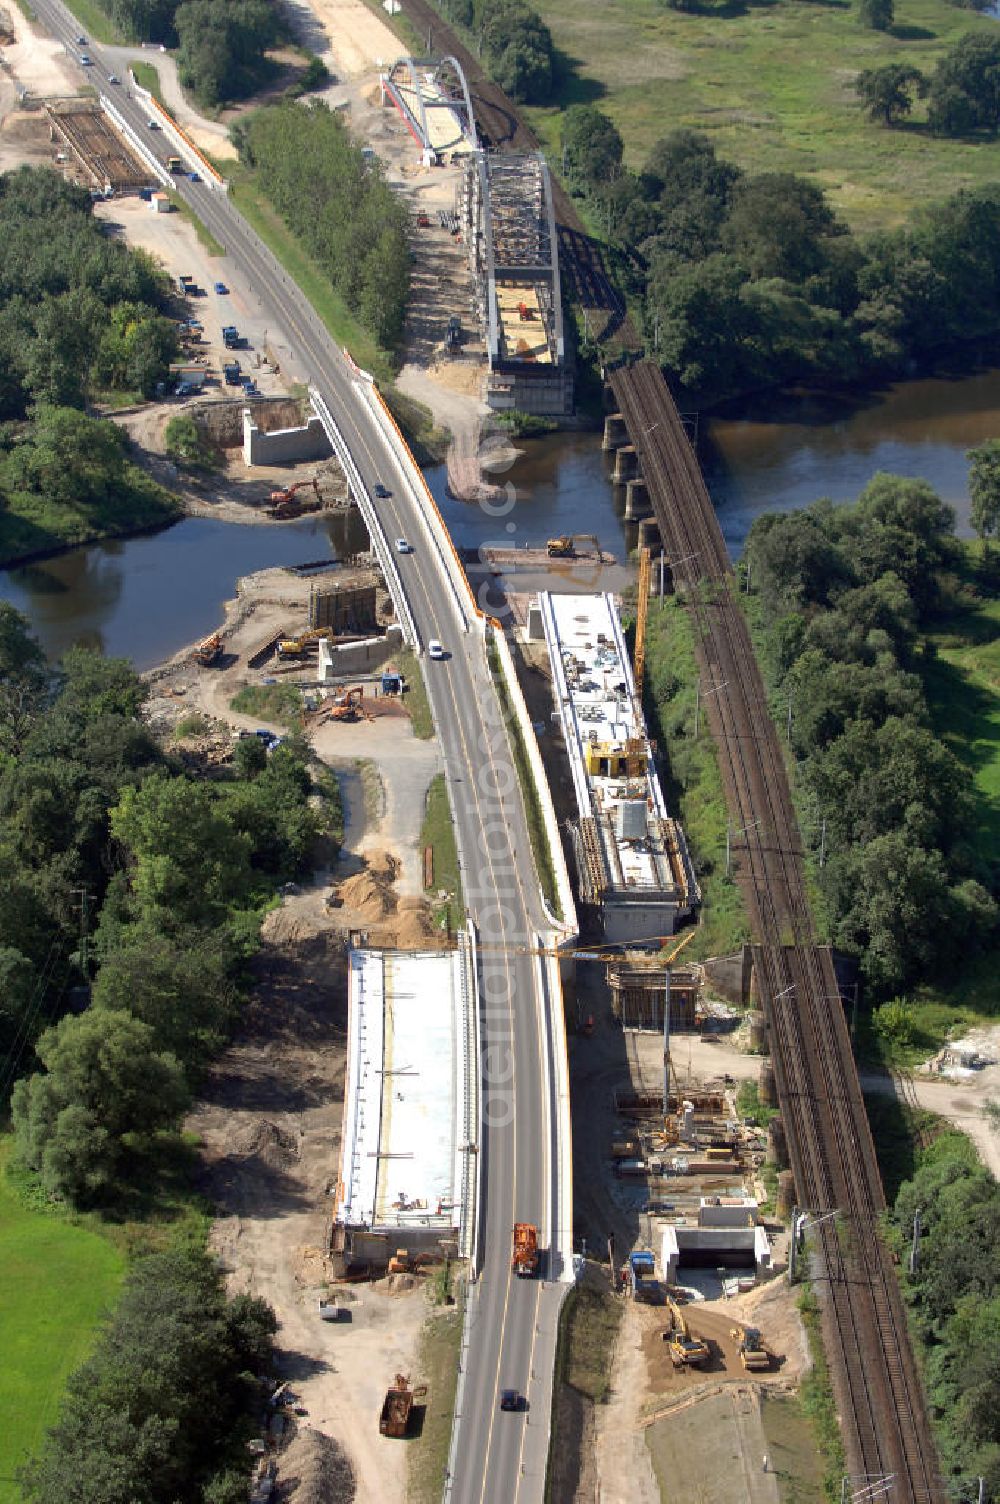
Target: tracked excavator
[(565, 546), (295, 647), (685, 1351), (284, 504)]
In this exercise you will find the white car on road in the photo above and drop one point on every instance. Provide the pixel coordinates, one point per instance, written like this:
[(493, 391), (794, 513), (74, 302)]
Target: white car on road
[(434, 649)]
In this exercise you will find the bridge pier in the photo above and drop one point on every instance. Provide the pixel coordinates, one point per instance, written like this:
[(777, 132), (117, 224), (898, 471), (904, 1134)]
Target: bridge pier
[(637, 503), (615, 432), (626, 464), (649, 534)]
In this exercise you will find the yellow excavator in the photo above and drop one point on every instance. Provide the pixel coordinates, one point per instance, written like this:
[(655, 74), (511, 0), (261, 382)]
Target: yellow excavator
[(685, 1351), (295, 647), (565, 546)]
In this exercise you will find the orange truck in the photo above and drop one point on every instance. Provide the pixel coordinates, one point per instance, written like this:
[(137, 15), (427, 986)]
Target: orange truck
[(525, 1257)]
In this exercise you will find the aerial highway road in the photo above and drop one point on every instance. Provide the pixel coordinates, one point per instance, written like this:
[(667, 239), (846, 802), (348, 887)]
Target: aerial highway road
[(497, 1457)]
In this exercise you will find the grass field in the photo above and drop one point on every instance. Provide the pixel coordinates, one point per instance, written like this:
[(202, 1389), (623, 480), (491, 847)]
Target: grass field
[(692, 784), (772, 85), (427, 1453), (58, 1278), (281, 704), (438, 832), (416, 700)]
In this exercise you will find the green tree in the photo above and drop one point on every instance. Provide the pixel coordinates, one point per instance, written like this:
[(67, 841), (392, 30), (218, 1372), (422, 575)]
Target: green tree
[(778, 226), (185, 443), (704, 330), (104, 1093), (888, 93), (162, 1409), (963, 93), (592, 147), (179, 986), (24, 678), (189, 862), (877, 15), (984, 487)]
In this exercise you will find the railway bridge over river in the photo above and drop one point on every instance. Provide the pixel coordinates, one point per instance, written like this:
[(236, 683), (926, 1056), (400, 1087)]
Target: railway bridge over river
[(877, 1387)]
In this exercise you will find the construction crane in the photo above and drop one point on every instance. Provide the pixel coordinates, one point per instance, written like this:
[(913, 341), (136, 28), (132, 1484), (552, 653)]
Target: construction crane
[(598, 953), (641, 610)]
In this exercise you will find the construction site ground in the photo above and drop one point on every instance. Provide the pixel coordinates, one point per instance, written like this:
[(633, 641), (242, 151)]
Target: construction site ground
[(635, 1434), (269, 1118), (268, 355)]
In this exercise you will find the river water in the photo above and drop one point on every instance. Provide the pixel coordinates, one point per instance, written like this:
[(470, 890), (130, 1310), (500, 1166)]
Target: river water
[(146, 597)]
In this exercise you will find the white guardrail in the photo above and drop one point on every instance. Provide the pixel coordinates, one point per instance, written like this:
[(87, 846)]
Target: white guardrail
[(380, 542), (431, 518)]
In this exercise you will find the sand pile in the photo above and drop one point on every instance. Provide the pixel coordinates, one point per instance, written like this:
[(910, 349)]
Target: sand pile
[(414, 927), (370, 893), (313, 1470), (264, 1140)]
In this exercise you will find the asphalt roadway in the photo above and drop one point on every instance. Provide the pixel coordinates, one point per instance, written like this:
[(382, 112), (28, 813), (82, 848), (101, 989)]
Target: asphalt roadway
[(497, 1457)]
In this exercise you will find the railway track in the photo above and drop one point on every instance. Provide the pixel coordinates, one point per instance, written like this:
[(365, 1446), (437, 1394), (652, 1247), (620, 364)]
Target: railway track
[(882, 1409)]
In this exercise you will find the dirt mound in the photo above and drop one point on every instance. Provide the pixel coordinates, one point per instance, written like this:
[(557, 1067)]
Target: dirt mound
[(383, 866), (313, 1470), (264, 1140), (414, 928), (370, 893)]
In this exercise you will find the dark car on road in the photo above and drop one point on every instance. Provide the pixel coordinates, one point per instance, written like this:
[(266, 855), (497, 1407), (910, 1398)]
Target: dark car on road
[(510, 1399), (382, 491)]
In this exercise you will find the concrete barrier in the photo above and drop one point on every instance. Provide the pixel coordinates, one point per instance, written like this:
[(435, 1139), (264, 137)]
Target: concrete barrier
[(136, 142)]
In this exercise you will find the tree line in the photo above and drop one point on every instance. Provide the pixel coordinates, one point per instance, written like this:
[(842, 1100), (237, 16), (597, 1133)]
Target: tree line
[(131, 895), (80, 315), (165, 1406), (954, 1297), (843, 596), (515, 44), (338, 204), (749, 282)]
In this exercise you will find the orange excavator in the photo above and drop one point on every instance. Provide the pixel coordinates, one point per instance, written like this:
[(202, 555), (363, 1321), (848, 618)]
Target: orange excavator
[(349, 705), (283, 503)]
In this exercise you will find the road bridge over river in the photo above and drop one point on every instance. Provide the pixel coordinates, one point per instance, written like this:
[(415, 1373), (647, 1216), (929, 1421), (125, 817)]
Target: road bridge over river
[(511, 1323), (883, 1413)]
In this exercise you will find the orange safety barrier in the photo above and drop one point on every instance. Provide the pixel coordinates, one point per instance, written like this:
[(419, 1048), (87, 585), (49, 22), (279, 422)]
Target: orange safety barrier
[(159, 109)]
